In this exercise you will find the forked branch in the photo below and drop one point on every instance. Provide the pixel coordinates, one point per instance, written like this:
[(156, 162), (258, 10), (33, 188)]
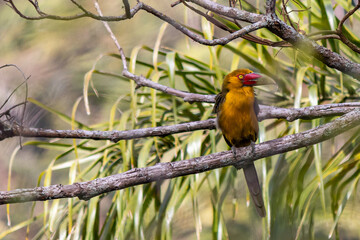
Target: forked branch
[(268, 20)]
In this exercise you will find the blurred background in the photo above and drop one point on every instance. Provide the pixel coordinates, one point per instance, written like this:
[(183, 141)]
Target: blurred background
[(303, 201)]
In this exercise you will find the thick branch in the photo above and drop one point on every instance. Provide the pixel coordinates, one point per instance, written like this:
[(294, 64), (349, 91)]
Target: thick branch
[(308, 46), (161, 171), (266, 112), (114, 136), (307, 113), (228, 11), (289, 34)]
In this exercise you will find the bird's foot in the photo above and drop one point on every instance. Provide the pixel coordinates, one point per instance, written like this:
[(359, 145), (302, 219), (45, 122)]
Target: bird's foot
[(236, 152), (237, 157), (252, 147)]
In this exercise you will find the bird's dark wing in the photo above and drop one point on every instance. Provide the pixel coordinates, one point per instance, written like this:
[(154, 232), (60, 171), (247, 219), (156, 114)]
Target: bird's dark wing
[(256, 107), (219, 99)]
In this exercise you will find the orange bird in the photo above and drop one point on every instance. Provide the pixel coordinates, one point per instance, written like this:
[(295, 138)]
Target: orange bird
[(236, 108)]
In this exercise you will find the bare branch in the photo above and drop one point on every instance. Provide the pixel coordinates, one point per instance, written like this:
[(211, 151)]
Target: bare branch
[(271, 22), (332, 36), (174, 4), (220, 41), (188, 97), (262, 41), (346, 41), (24, 82), (248, 36), (85, 13), (7, 131), (127, 8), (347, 15), (285, 14), (270, 7), (112, 35), (266, 112), (325, 55), (169, 170), (289, 34), (229, 11), (308, 113), (7, 112)]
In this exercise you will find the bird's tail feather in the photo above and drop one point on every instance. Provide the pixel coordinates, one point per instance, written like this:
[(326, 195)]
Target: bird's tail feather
[(254, 188)]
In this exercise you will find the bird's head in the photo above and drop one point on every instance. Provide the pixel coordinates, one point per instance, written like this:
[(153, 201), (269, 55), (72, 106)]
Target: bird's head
[(241, 78)]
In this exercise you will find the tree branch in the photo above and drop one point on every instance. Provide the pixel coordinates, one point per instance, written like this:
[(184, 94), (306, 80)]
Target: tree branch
[(188, 97), (169, 170), (289, 34), (270, 7), (86, 190), (331, 59), (219, 41), (112, 35), (85, 13), (266, 112), (270, 21), (13, 130), (307, 113), (347, 15), (229, 11), (340, 27)]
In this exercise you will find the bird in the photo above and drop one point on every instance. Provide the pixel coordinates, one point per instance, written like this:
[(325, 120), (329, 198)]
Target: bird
[(237, 109)]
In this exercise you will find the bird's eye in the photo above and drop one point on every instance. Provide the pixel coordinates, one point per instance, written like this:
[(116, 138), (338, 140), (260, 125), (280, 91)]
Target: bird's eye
[(240, 76)]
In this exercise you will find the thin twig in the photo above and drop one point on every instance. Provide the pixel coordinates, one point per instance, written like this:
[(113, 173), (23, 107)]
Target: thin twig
[(332, 36), (286, 14), (188, 97), (85, 13), (112, 35), (127, 8), (339, 29), (347, 15), (220, 41), (7, 112), (174, 4), (24, 82), (262, 41), (23, 103)]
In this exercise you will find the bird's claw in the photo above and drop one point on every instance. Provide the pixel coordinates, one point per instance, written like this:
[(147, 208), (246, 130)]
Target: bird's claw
[(237, 157)]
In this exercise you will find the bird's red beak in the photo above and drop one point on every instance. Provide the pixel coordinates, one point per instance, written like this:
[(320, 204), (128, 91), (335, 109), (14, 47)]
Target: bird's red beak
[(251, 79)]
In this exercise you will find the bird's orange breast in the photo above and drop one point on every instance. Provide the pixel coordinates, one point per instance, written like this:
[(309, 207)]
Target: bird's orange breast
[(237, 119)]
